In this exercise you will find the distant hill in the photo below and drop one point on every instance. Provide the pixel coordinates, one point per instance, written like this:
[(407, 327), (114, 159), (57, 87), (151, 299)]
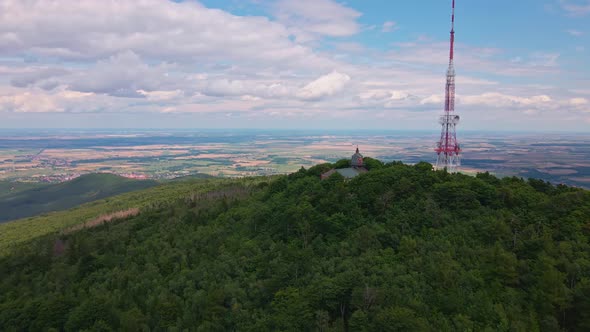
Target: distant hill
[(19, 200), (9, 188), (192, 177)]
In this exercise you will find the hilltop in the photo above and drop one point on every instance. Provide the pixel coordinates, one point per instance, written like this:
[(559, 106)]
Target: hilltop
[(18, 200), (399, 248)]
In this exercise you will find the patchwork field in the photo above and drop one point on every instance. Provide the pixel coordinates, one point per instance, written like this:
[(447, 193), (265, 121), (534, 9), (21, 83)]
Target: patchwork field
[(54, 156)]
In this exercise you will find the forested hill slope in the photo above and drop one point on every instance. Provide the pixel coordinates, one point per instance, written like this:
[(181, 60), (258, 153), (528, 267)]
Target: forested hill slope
[(400, 248), (54, 197), (16, 234)]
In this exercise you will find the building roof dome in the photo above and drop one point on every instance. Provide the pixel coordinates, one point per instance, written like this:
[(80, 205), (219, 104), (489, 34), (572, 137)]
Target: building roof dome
[(357, 159)]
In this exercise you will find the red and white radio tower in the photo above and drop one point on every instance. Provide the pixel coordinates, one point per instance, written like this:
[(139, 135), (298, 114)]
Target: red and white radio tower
[(448, 148)]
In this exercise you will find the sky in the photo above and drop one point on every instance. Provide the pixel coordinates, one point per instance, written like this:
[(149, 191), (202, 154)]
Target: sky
[(299, 64)]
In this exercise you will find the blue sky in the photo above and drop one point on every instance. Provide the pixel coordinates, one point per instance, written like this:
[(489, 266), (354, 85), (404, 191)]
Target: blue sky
[(521, 65)]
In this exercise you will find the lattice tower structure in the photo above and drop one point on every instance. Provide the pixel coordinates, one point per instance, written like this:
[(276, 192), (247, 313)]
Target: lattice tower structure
[(447, 149)]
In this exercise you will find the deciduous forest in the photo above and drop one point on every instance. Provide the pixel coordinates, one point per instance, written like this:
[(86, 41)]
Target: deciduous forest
[(400, 248)]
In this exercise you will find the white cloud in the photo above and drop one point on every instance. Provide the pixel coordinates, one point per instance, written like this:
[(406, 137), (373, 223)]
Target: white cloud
[(161, 95), (388, 26), (324, 86), (384, 95), (161, 56), (433, 99), (250, 98), (39, 101), (424, 52), (502, 103), (253, 88), (541, 59), (351, 47), (32, 76), (494, 99), (152, 29), (239, 106), (575, 33), (121, 75), (578, 101), (502, 100), (317, 17), (579, 8), (387, 98)]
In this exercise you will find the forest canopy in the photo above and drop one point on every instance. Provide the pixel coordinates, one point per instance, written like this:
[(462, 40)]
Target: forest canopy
[(400, 248)]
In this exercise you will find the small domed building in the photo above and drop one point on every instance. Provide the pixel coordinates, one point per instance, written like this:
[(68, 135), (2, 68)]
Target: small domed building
[(357, 166)]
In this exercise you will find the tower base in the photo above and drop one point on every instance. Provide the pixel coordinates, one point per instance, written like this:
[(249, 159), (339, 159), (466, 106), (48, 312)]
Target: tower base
[(450, 163)]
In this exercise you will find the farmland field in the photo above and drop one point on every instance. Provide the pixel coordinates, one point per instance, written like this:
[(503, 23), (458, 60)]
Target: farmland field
[(59, 155)]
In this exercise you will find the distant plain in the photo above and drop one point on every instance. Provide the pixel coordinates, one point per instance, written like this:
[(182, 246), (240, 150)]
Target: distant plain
[(59, 155)]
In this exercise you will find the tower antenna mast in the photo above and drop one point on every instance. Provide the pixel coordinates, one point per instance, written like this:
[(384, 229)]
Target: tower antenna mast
[(447, 148)]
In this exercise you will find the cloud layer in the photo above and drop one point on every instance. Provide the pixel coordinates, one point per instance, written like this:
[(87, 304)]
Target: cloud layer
[(163, 57)]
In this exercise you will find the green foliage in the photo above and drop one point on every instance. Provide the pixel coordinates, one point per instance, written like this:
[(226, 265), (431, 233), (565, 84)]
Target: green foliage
[(21, 203), (372, 164), (424, 166), (91, 314), (10, 188), (318, 170), (400, 248), (13, 234), (342, 163)]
